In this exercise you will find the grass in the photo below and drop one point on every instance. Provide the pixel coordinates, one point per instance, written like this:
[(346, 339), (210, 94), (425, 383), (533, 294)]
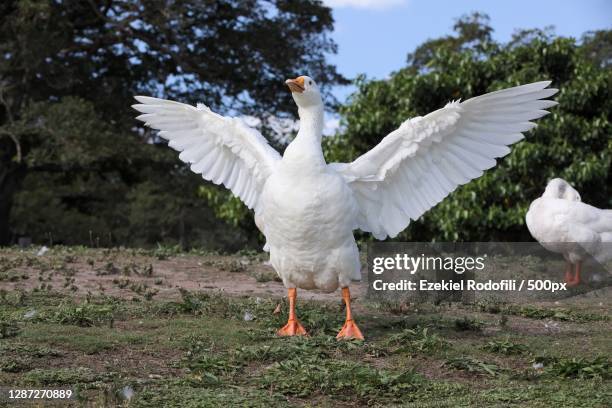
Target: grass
[(8, 329), (505, 347), (307, 377), (78, 375), (83, 315), (468, 324), (417, 339), (561, 314), (197, 350), (582, 368), (473, 365)]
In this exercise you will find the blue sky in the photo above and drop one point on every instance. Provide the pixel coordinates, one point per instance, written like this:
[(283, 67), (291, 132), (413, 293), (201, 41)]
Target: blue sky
[(374, 36)]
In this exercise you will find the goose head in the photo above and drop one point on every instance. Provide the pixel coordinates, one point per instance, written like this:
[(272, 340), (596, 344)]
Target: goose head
[(559, 188), (305, 92)]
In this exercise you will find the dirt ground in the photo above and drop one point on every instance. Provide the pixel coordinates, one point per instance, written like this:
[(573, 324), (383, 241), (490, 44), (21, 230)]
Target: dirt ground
[(107, 272)]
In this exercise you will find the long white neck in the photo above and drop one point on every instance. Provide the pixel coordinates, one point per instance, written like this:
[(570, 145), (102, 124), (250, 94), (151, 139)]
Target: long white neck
[(311, 122), (305, 152)]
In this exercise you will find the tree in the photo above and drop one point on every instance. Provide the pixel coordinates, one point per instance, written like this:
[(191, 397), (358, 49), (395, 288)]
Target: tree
[(597, 46), (472, 32), (70, 150), (573, 142)]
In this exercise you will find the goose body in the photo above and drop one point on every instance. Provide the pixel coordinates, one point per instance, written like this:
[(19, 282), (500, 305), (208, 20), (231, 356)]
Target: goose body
[(562, 223), (307, 209), (309, 215)]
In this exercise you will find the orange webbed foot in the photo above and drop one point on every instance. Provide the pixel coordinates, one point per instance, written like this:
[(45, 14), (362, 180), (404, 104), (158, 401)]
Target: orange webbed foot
[(350, 331), (292, 328)]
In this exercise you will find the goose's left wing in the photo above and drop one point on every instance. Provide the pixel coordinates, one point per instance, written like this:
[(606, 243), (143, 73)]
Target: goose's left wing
[(416, 166)]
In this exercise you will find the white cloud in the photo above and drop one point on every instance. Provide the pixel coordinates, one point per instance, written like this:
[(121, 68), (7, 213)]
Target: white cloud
[(366, 4)]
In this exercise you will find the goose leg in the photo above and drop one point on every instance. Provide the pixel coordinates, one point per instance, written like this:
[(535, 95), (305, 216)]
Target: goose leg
[(576, 280), (350, 329), (293, 326), (568, 273)]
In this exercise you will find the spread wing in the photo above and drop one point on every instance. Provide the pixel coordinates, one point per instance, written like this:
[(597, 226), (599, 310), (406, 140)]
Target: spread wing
[(416, 166), (223, 150)]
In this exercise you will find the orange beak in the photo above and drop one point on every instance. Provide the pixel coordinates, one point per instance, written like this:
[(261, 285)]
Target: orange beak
[(296, 85)]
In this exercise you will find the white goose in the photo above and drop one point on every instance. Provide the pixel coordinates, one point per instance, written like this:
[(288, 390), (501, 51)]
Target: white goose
[(307, 209), (565, 225)]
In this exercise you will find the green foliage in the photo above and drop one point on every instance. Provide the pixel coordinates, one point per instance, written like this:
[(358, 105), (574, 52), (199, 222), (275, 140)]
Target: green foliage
[(582, 368), (30, 350), (177, 395), (597, 46), (229, 208), (417, 339), (79, 314), (573, 142), (61, 376), (562, 314), (211, 369), (505, 347), (473, 365), (266, 276), (320, 346), (8, 329), (468, 324), (164, 251), (13, 365), (472, 31), (304, 377)]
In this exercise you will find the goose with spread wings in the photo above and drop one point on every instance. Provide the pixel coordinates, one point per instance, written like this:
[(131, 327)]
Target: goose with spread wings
[(308, 209)]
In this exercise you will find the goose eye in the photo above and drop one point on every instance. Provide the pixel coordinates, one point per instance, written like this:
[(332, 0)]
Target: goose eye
[(309, 82)]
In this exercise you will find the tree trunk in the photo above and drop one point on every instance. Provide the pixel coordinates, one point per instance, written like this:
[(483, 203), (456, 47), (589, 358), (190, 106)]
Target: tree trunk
[(11, 175)]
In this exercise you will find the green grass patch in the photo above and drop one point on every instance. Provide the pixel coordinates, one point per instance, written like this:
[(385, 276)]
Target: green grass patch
[(583, 368), (473, 365), (8, 329), (64, 376), (304, 377), (505, 347), (307, 347), (468, 324), (417, 339), (179, 395), (14, 364), (562, 314), (84, 314), (545, 393), (89, 340)]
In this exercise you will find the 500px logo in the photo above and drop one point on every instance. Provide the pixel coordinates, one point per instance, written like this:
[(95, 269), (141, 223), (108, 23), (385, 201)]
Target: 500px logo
[(458, 264)]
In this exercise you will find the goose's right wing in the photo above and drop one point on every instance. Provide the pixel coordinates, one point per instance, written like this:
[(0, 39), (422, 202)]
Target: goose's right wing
[(223, 150)]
